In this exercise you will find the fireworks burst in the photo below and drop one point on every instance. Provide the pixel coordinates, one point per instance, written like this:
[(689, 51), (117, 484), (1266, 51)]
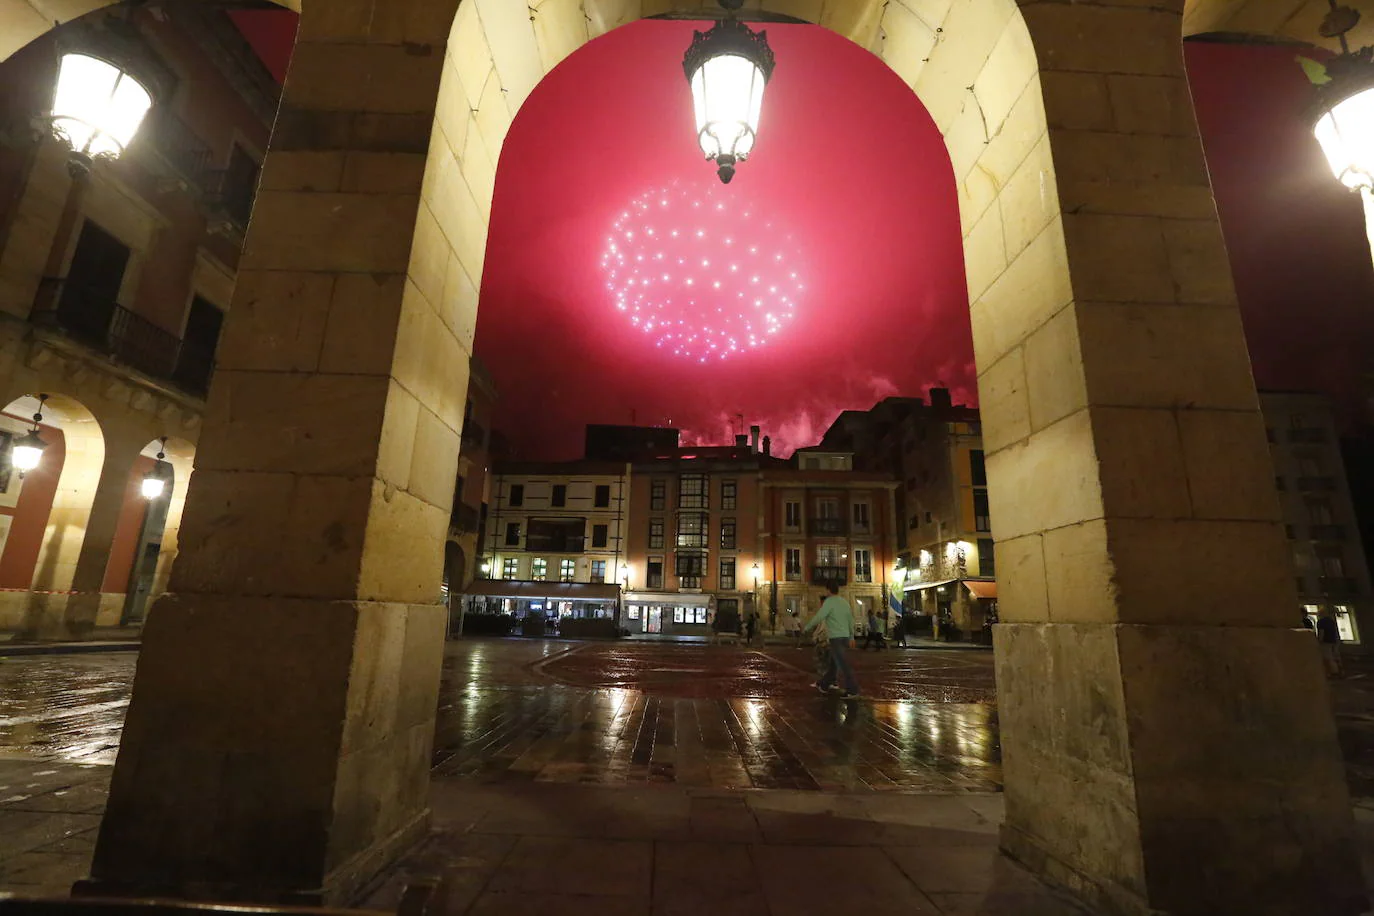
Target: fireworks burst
[(700, 273)]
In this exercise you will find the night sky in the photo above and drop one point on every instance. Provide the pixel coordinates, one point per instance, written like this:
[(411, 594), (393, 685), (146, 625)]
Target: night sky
[(849, 190)]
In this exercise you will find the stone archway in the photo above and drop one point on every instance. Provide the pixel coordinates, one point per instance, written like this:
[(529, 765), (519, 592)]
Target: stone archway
[(1126, 456)]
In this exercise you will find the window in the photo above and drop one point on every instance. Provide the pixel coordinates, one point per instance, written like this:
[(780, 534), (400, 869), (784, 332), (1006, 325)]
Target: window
[(727, 534), (198, 343), (862, 519), (94, 278), (729, 493), (1345, 623), (567, 570), (690, 568), (827, 507), (598, 573), (1278, 483), (634, 612), (653, 576), (792, 514), (927, 518), (658, 494), (794, 562), (863, 564), (656, 533), (691, 529), (539, 569), (727, 574), (517, 494), (987, 559), (914, 522), (911, 483), (691, 614), (560, 494), (603, 495), (600, 535), (828, 555), (1319, 510), (978, 467), (510, 568), (512, 534), (556, 535), (691, 491), (982, 521), (1333, 567)]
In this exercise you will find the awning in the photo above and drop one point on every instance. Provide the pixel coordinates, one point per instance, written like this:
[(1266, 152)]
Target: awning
[(981, 589), (670, 599), (922, 586), (551, 591)]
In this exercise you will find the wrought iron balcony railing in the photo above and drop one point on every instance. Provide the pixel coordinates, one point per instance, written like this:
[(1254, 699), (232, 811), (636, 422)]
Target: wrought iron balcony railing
[(111, 329), (827, 526), (823, 575)]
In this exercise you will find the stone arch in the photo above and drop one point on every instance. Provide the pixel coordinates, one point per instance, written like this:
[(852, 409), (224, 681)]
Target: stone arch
[(61, 494), (21, 21), (1120, 421)]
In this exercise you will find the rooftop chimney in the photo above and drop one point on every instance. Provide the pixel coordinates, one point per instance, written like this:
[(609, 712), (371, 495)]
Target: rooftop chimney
[(754, 439), (767, 446), (741, 441), (939, 397)]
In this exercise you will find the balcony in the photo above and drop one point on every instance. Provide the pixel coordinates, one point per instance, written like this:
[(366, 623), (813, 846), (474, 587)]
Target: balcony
[(1317, 483), (826, 526), (113, 330), (464, 518), (186, 156), (229, 195), (535, 544), (824, 575), (1337, 586), (1327, 532)]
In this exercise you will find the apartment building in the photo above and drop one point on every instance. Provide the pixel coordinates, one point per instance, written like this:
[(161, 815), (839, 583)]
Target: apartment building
[(555, 541), (1330, 569), (946, 550), (823, 522)]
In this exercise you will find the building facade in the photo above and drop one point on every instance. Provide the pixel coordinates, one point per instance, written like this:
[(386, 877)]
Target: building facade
[(466, 543), (114, 281), (551, 526), (822, 522), (695, 559), (948, 559), (1329, 562)]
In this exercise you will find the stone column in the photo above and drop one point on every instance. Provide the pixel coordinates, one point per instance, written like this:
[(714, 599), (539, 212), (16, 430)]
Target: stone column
[(279, 739), (1166, 736)]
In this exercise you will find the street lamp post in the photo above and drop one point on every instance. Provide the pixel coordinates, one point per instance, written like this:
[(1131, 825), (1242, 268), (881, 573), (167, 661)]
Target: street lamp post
[(728, 66), (1343, 118)]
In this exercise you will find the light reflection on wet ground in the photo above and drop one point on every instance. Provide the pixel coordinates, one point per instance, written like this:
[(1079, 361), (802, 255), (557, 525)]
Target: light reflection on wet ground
[(609, 713)]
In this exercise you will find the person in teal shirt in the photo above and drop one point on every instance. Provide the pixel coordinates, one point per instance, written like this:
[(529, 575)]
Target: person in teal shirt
[(839, 627)]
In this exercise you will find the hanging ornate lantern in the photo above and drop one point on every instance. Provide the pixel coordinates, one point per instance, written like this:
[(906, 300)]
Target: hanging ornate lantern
[(728, 66)]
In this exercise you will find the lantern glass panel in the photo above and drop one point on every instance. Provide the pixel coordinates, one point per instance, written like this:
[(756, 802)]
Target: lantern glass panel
[(1346, 135), (97, 106), (727, 96), (26, 457)]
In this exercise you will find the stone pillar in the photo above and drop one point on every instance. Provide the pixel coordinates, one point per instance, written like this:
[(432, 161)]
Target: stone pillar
[(1166, 736), (278, 743)]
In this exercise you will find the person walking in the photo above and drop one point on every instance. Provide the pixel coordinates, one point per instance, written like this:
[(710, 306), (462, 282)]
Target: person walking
[(1329, 636), (899, 626), (838, 618), (750, 623), (873, 636)]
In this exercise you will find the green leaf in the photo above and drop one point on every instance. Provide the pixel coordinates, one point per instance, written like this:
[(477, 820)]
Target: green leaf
[(1315, 70)]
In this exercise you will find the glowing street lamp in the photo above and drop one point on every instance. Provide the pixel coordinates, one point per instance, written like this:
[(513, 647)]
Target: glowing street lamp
[(155, 481), (97, 108), (28, 449), (1343, 121), (728, 67)]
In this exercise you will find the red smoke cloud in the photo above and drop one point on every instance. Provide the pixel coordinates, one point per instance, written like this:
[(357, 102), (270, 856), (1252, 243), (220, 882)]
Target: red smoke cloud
[(850, 180)]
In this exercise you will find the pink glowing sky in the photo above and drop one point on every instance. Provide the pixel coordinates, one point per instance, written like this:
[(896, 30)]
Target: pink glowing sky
[(855, 182), (861, 207)]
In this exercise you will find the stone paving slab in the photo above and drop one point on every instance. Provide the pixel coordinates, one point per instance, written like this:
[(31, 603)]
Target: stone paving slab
[(676, 850)]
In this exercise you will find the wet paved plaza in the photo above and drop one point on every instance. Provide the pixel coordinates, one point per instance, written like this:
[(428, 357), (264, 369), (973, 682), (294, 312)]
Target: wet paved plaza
[(624, 777)]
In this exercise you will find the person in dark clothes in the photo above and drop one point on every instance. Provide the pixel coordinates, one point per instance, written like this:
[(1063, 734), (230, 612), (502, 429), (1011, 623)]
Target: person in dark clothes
[(1329, 637)]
